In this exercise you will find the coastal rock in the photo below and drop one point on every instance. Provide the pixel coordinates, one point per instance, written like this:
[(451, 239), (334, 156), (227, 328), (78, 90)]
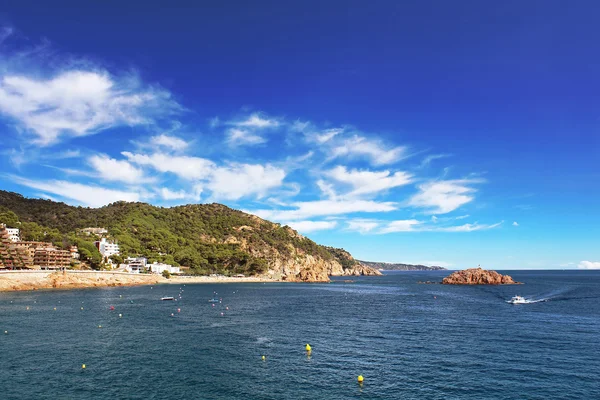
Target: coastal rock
[(478, 276), (361, 269)]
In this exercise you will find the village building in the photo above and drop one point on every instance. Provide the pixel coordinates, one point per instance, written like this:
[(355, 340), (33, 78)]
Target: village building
[(159, 268), (52, 258), (107, 248), (11, 256), (13, 234), (94, 231)]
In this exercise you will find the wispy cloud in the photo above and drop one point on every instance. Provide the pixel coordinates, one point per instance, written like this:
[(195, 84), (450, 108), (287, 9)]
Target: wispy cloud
[(186, 167), (87, 195), (362, 225), (256, 120), (110, 169), (243, 137), (312, 226), (78, 103), (76, 98), (236, 180), (368, 182), (319, 208), (430, 158), (442, 197), (407, 225), (373, 150), (169, 142)]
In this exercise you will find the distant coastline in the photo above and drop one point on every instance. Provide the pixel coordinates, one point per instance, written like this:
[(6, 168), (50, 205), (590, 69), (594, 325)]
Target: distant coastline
[(383, 266)]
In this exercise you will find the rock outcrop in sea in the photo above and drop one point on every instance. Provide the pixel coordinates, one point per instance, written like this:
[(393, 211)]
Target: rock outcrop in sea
[(478, 276)]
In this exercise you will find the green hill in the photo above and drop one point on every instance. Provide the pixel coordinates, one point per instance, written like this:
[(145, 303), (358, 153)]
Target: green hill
[(208, 238)]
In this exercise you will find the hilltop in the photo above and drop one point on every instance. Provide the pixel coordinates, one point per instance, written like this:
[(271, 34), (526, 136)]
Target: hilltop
[(207, 238), (399, 267)]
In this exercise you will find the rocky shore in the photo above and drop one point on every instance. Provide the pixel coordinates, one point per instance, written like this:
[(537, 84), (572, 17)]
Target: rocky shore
[(478, 276), (34, 280), (37, 280)]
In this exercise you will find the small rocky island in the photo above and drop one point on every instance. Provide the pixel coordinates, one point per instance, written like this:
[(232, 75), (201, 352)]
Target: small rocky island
[(478, 276)]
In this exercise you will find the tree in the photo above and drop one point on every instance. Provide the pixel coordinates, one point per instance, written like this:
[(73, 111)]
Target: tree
[(116, 259), (166, 274), (8, 218)]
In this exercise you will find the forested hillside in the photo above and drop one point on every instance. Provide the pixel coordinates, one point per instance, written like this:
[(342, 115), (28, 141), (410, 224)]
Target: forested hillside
[(206, 237)]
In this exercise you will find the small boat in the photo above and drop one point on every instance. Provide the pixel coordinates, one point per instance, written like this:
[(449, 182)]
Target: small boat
[(213, 300), (518, 300), (167, 298)]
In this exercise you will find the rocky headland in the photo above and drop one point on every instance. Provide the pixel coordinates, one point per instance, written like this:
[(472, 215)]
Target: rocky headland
[(478, 276)]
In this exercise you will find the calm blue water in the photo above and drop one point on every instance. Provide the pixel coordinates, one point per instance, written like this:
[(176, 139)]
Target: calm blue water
[(410, 341)]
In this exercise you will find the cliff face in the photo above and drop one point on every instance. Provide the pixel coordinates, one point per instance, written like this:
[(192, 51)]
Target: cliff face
[(208, 238), (478, 276)]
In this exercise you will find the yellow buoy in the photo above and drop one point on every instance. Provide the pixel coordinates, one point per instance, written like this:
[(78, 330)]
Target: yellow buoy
[(308, 348), (360, 379), (264, 358), (82, 366), (54, 308)]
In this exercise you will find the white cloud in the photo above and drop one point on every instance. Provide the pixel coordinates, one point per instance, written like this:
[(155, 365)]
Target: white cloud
[(515, 223), (327, 134), (327, 189), (407, 225), (79, 102), (190, 168), (589, 265), (371, 149), (312, 226), (411, 225), (318, 208), (434, 218), (91, 196), (170, 142), (362, 225), (255, 120), (241, 137), (427, 160), (442, 197), (116, 170), (468, 227), (239, 180), (367, 182), (168, 194)]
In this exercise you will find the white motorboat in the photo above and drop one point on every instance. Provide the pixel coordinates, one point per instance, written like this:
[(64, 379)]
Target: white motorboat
[(518, 300), (167, 298)]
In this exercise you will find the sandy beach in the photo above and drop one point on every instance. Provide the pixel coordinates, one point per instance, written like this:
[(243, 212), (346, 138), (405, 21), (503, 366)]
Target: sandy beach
[(35, 280)]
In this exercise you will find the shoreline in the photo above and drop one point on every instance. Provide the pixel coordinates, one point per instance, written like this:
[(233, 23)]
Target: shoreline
[(15, 281)]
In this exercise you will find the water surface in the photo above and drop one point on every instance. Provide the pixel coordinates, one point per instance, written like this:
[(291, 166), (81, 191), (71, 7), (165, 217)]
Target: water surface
[(409, 340)]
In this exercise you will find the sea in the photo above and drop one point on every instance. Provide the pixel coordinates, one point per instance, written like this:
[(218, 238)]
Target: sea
[(408, 340)]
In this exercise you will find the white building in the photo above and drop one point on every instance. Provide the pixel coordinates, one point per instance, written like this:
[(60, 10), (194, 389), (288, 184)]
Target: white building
[(13, 234), (95, 231), (159, 268), (134, 264), (107, 248)]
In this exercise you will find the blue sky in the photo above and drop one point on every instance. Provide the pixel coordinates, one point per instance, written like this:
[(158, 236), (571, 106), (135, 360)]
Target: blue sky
[(447, 133)]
